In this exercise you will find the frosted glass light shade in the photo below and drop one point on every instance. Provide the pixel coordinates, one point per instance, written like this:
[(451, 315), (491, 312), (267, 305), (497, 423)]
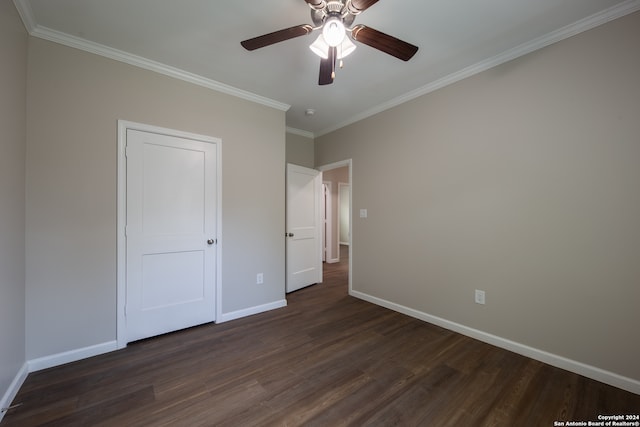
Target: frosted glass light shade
[(321, 48), (345, 48)]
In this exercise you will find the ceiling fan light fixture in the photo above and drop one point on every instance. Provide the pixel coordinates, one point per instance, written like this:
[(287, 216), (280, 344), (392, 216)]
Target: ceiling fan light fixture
[(334, 19), (333, 31)]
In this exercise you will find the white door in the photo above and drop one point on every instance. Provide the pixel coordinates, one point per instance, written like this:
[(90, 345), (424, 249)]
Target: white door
[(304, 227), (170, 233)]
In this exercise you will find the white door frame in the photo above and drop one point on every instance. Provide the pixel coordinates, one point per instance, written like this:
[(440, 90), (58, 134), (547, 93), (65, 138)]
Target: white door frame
[(121, 220), (349, 163), (327, 240), (341, 187)]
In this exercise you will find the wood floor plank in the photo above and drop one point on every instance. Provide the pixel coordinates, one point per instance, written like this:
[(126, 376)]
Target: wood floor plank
[(326, 359)]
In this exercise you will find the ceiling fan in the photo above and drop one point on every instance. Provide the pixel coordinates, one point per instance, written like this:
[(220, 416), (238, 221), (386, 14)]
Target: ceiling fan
[(335, 18)]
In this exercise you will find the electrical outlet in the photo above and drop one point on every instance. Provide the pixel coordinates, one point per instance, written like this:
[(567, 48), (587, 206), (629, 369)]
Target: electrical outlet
[(479, 296), (259, 279)]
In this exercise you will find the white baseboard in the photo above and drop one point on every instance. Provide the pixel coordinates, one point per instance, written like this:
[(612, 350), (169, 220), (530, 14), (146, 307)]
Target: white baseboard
[(588, 371), (94, 350), (225, 317), (70, 356), (13, 389), (332, 260)]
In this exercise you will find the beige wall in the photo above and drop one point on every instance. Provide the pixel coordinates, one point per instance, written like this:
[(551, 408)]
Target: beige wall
[(299, 150), (74, 101), (522, 181), (13, 69)]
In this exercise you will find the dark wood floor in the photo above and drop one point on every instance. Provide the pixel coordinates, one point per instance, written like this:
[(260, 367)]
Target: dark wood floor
[(325, 360)]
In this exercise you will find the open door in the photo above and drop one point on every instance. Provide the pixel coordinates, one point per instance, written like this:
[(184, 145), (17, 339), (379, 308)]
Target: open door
[(304, 227)]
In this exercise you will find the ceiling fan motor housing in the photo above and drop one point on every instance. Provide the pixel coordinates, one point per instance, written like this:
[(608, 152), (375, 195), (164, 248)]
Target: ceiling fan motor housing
[(335, 6), (329, 9)]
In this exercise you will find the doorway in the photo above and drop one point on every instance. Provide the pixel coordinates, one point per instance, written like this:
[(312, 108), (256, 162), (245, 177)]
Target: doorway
[(168, 254), (326, 219), (339, 246)]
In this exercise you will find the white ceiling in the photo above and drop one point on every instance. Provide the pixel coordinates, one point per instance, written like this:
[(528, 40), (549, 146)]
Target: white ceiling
[(199, 40)]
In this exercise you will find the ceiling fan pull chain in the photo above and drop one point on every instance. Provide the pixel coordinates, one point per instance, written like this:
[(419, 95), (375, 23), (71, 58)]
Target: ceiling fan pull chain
[(333, 63)]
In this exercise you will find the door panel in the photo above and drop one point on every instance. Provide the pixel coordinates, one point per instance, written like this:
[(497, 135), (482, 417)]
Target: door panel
[(173, 188), (162, 270), (304, 227), (171, 196)]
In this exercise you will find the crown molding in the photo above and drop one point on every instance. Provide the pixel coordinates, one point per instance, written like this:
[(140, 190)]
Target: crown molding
[(300, 132), (607, 15), (570, 30), (147, 64), (26, 14)]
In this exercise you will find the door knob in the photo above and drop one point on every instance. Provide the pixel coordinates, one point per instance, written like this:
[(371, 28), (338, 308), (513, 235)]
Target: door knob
[(211, 241), (290, 235)]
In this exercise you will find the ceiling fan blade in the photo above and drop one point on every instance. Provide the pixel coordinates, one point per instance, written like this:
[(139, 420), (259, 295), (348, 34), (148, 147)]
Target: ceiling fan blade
[(358, 6), (384, 42), (327, 68), (276, 37), (315, 3)]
